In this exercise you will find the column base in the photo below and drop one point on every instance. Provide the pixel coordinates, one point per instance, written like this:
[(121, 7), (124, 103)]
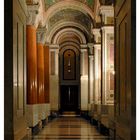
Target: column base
[(35, 129)]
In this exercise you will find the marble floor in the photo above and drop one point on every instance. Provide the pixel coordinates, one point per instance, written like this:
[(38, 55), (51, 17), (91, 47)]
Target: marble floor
[(69, 127)]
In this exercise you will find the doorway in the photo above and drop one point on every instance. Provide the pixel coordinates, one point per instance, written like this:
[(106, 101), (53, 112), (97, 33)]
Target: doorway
[(69, 98)]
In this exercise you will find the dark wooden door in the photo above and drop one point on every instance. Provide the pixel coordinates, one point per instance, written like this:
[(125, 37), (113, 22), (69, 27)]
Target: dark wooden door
[(69, 98), (125, 69)]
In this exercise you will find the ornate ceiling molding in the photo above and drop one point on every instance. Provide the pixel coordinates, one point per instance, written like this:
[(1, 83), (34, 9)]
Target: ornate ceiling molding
[(65, 5), (64, 24)]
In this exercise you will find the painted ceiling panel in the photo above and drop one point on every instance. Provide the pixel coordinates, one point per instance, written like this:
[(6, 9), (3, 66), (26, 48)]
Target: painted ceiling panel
[(71, 15), (49, 3)]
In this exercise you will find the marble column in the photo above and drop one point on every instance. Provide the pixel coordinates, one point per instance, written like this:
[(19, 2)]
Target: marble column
[(107, 67), (97, 73), (107, 32), (42, 106), (31, 65), (47, 78), (84, 77), (46, 74), (90, 74), (40, 72), (54, 77), (32, 106)]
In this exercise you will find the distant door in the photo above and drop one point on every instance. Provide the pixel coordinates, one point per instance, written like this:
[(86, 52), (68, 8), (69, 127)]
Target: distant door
[(69, 98)]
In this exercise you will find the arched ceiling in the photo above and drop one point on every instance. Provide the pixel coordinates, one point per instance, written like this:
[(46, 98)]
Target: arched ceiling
[(49, 3), (71, 15), (71, 22)]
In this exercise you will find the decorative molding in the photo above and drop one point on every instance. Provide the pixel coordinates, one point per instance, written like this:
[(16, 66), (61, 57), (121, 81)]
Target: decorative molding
[(91, 57), (41, 35), (107, 10), (96, 31), (83, 46), (97, 46), (108, 29), (54, 48), (33, 11), (67, 4), (90, 46), (32, 1), (64, 24), (83, 50)]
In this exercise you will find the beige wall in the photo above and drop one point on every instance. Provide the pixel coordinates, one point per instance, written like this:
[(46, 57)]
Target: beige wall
[(19, 68), (54, 92), (84, 93)]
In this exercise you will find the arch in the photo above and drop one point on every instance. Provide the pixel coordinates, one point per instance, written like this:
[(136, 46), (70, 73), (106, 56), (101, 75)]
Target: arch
[(51, 33), (69, 30), (67, 4), (79, 34), (69, 37), (73, 44)]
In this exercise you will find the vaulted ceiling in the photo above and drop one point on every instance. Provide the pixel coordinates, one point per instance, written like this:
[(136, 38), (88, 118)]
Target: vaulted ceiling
[(49, 3), (68, 21)]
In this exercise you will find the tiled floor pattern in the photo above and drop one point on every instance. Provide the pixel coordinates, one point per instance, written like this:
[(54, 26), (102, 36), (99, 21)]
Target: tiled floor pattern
[(69, 128)]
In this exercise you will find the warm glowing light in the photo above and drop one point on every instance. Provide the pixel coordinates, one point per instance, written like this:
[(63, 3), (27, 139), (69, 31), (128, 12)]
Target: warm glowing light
[(113, 72)]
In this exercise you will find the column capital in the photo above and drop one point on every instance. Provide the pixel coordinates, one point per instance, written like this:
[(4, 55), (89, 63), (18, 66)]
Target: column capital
[(107, 10), (90, 46), (83, 50), (91, 57), (83, 46), (108, 29), (32, 2), (97, 35), (54, 48), (41, 35), (33, 11), (96, 31), (97, 46)]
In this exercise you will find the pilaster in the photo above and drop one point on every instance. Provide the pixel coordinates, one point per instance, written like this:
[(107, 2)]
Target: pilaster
[(54, 76)]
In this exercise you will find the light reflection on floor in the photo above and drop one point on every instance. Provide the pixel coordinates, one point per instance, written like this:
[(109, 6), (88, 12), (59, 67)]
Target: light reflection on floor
[(72, 128)]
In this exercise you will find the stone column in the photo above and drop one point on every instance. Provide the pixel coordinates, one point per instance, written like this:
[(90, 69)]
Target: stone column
[(107, 13), (90, 74), (107, 54), (84, 77), (97, 74), (32, 91), (32, 106), (42, 106), (54, 77), (47, 78), (31, 65), (97, 65), (106, 32)]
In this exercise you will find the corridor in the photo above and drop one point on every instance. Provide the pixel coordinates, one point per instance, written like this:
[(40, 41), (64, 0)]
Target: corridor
[(70, 56), (72, 128)]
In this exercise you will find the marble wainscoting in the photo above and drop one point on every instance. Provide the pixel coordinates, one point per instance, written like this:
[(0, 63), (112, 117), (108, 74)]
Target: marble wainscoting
[(37, 116)]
